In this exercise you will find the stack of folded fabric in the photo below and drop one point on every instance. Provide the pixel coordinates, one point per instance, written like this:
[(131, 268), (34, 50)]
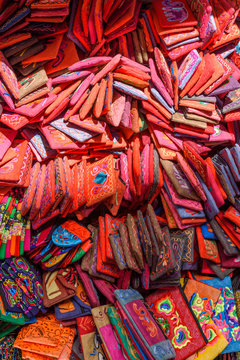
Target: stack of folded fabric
[(119, 179)]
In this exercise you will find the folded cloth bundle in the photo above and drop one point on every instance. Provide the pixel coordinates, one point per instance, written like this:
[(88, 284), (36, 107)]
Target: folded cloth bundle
[(119, 179)]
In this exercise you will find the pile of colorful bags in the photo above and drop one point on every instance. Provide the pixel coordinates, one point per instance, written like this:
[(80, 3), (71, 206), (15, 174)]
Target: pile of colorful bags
[(119, 179)]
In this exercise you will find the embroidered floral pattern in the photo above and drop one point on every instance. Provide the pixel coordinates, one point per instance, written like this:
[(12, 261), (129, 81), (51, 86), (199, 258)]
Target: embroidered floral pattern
[(101, 176), (177, 320), (220, 306), (223, 327), (210, 334), (225, 315), (166, 305), (181, 337), (165, 325), (146, 321), (226, 306), (197, 304), (181, 334)]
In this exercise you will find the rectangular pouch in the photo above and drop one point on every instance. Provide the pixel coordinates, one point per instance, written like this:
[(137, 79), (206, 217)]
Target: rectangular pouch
[(236, 155), (48, 198), (233, 215), (102, 237), (70, 309), (135, 336), (9, 76), (107, 268), (111, 226), (225, 316), (20, 57), (94, 263), (69, 56), (208, 249), (231, 227), (105, 330), (12, 317), (82, 188), (224, 180), (101, 180), (30, 191), (188, 253), (10, 171), (145, 238), (167, 280), (145, 171), (125, 176), (191, 154), (7, 137), (215, 71), (8, 352), (178, 244), (36, 80), (157, 173), (223, 238), (203, 300), (113, 203), (166, 260), (218, 270), (57, 139), (56, 289), (130, 259), (208, 232), (72, 130), (123, 338), (188, 171), (117, 248), (228, 70), (179, 180), (49, 51), (155, 246), (171, 20), (48, 345), (163, 70), (91, 346), (194, 291), (178, 200), (60, 184), (69, 195), (144, 324), (24, 177), (39, 143), (228, 261), (6, 328), (19, 269), (38, 194), (134, 241), (172, 310), (229, 230), (106, 289), (188, 67)]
